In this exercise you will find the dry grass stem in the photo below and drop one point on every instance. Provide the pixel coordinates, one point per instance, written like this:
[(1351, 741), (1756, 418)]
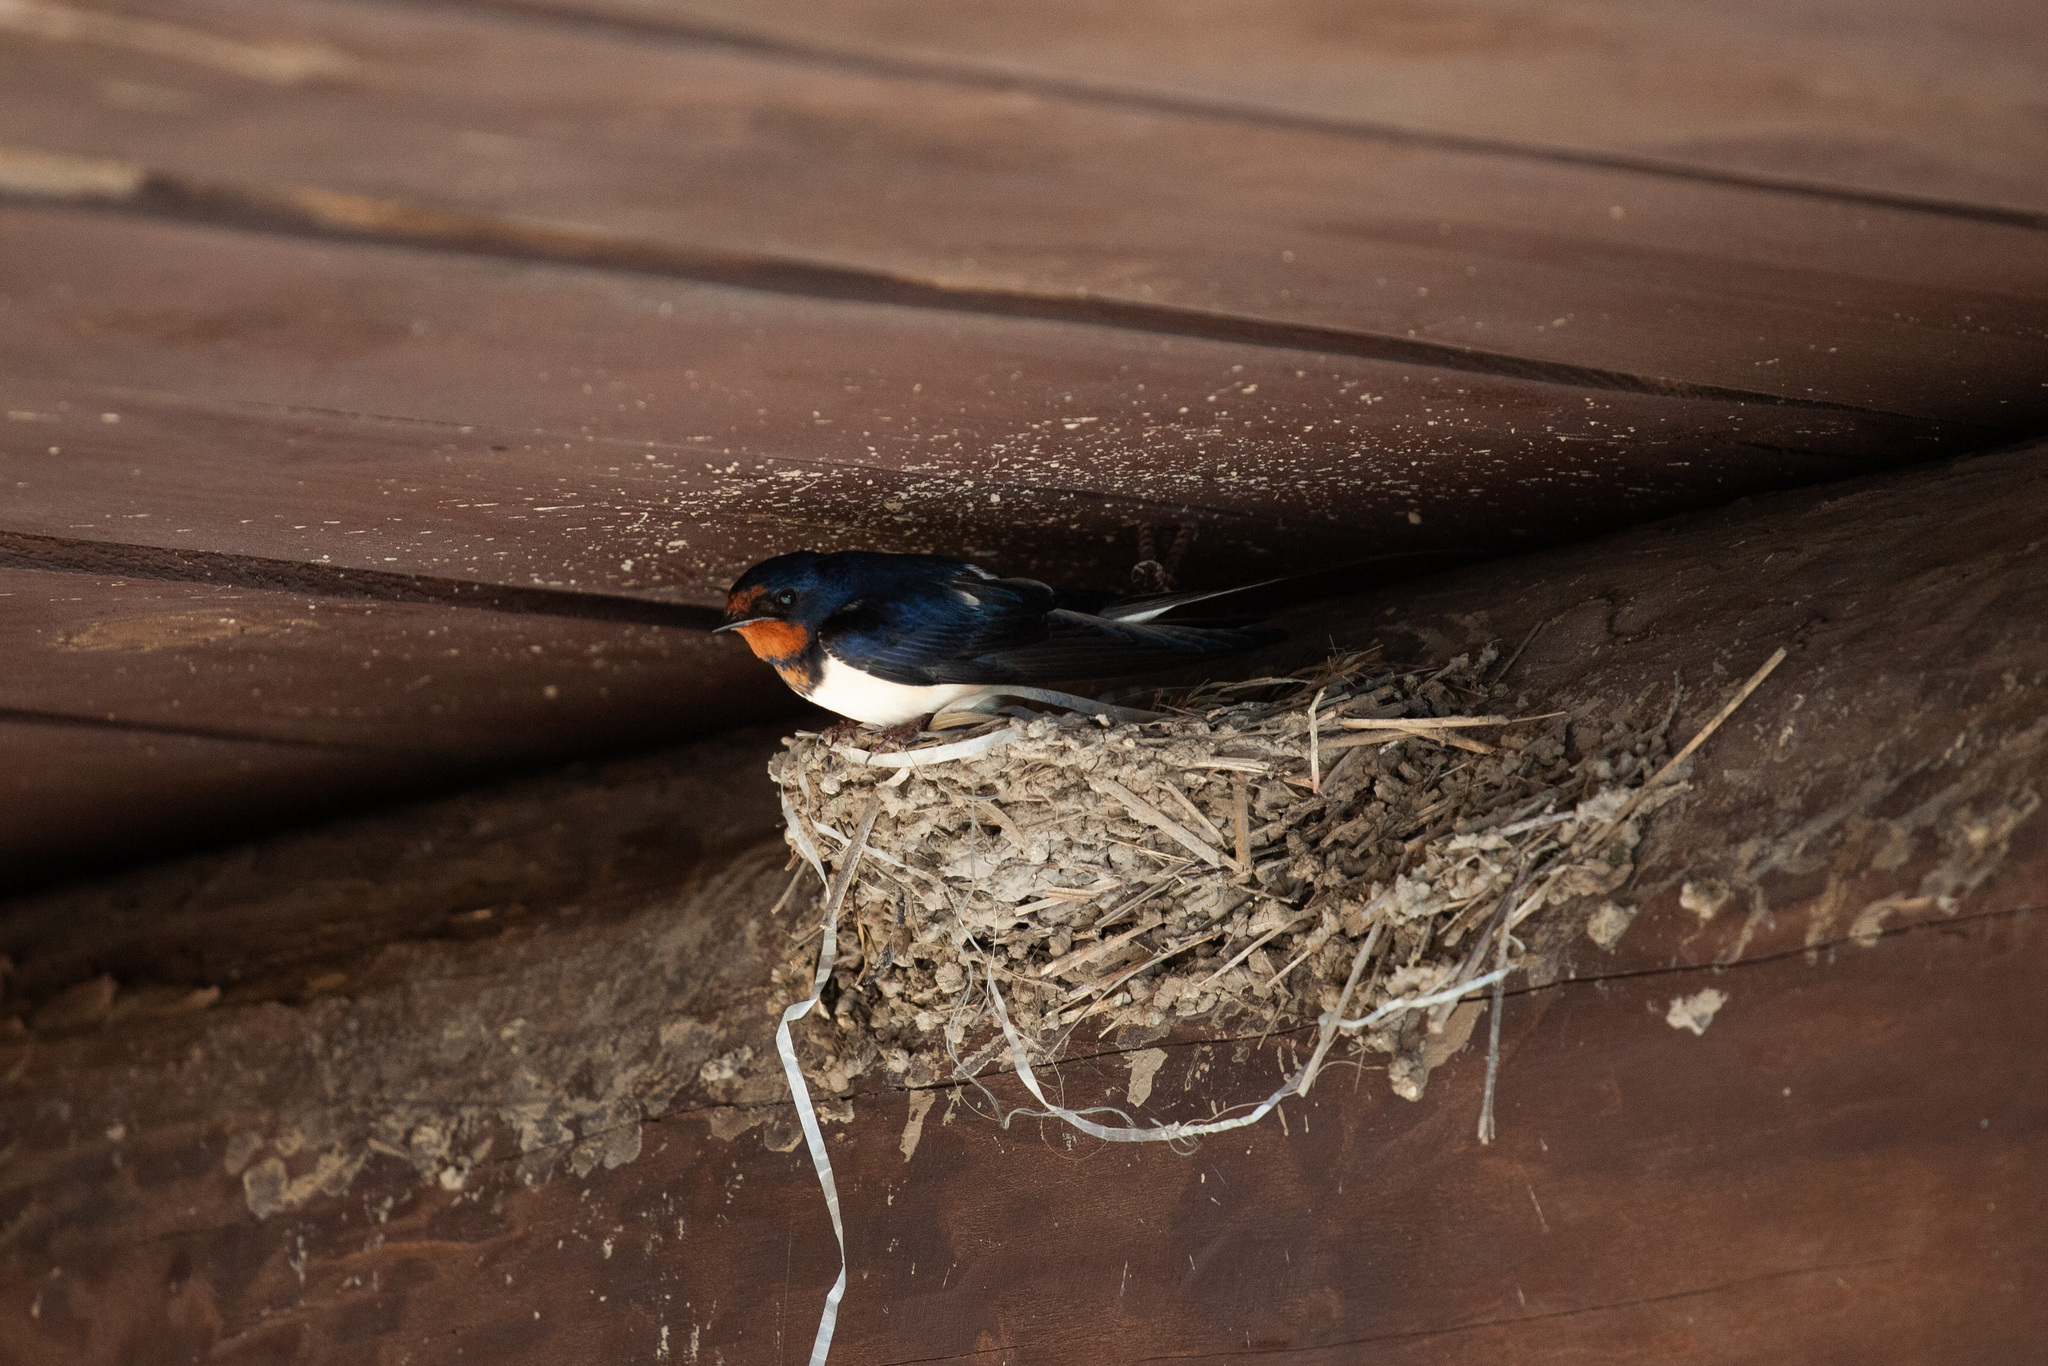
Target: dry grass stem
[(1158, 820), (1421, 727), (1500, 989), (1755, 681), (788, 891), (1315, 756)]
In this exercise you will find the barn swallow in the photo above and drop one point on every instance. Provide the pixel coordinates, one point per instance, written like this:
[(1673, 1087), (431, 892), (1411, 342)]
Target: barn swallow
[(887, 639)]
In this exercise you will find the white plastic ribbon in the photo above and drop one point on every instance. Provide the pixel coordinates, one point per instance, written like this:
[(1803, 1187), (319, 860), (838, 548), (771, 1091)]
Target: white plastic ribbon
[(800, 1092), (828, 953), (1085, 706), (1435, 998), (1168, 1133), (931, 754)]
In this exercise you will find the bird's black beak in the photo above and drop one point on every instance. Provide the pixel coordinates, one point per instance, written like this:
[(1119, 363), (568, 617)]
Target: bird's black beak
[(735, 625)]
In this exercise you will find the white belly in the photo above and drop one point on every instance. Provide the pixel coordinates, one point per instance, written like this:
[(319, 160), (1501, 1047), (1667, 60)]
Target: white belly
[(878, 702)]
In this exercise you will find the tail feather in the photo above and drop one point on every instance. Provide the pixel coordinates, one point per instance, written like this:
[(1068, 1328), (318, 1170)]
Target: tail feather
[(1151, 607), (1140, 610)]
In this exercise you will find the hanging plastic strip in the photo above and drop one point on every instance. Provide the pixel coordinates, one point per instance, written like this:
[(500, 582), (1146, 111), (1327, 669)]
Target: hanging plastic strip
[(828, 952), (799, 1090), (1299, 1083)]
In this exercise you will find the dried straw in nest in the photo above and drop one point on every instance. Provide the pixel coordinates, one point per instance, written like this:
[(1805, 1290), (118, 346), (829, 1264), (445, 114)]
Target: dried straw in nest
[(1356, 848)]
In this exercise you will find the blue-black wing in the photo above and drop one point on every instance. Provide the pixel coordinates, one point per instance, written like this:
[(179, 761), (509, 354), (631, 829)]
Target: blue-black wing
[(921, 620), (1010, 634), (927, 624)]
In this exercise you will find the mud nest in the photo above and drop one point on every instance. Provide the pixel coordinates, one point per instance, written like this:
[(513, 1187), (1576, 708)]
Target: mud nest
[(1258, 854)]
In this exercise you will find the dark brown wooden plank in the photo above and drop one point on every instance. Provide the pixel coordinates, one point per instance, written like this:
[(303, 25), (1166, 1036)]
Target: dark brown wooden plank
[(1844, 1165), (1907, 98), (79, 799), (582, 838), (396, 678), (142, 714), (478, 420), (455, 126)]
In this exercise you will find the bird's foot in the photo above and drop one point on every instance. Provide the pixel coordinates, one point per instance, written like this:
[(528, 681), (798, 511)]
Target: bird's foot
[(1156, 573), (840, 732), (899, 737), (872, 739)]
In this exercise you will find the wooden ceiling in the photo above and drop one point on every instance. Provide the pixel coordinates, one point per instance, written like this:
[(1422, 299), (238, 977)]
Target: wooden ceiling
[(391, 390)]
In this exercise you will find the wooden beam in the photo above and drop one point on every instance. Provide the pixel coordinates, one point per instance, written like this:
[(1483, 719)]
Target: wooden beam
[(426, 681), (138, 713), (81, 798), (407, 1127)]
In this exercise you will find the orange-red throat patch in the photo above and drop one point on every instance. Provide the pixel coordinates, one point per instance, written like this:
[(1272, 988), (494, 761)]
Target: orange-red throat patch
[(775, 641)]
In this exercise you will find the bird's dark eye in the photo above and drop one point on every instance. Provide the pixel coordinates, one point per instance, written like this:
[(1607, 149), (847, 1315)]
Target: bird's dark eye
[(786, 598)]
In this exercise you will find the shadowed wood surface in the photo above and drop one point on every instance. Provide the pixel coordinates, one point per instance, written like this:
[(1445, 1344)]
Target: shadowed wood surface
[(453, 1097), (83, 796), (146, 715)]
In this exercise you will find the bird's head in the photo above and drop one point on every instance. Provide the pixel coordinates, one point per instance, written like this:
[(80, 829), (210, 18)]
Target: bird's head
[(777, 606)]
